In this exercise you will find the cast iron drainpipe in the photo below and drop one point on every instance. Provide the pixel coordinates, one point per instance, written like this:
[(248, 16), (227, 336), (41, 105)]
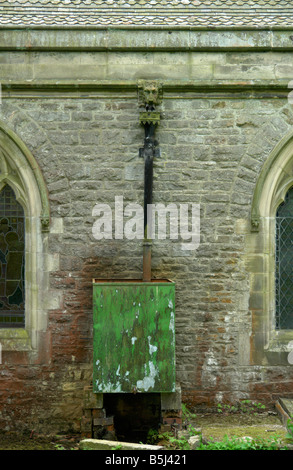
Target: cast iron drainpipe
[(148, 152)]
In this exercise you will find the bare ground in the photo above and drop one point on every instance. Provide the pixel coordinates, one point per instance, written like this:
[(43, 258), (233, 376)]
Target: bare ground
[(259, 425), (14, 441), (212, 425)]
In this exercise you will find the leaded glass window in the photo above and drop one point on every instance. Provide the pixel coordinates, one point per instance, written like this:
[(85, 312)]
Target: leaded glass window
[(284, 263), (12, 249)]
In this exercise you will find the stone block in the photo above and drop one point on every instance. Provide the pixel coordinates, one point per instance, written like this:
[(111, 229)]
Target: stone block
[(99, 413), (104, 421), (172, 400), (194, 442), (86, 426), (255, 264), (92, 400), (284, 71), (101, 444)]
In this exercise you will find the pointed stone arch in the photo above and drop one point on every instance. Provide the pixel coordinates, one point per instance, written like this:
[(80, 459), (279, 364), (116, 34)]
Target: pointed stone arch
[(268, 345), (274, 180), (19, 170)]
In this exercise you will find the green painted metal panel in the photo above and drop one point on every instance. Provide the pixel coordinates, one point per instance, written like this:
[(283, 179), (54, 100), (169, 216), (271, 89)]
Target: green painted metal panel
[(134, 336)]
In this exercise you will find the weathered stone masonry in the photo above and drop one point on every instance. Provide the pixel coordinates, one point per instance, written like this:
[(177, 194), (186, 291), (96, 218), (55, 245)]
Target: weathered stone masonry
[(75, 107)]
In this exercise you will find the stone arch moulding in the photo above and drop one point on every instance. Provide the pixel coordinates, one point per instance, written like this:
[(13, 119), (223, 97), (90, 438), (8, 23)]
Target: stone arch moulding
[(276, 177), (19, 169), (17, 152), (268, 345)]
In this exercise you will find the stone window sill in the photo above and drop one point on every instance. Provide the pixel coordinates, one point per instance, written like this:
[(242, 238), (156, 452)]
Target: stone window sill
[(279, 347), (281, 340), (15, 339)]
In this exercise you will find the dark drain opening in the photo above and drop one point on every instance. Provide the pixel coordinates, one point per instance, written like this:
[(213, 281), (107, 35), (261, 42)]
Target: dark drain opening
[(134, 415)]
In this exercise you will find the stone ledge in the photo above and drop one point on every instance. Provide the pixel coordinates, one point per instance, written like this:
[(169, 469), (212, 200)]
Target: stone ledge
[(71, 88), (144, 39), (99, 444), (15, 339)]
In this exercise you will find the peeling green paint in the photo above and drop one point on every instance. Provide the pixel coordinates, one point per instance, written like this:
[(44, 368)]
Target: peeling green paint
[(134, 336)]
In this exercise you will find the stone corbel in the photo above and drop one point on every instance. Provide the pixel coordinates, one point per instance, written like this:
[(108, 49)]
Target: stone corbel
[(149, 117), (45, 222), (255, 223)]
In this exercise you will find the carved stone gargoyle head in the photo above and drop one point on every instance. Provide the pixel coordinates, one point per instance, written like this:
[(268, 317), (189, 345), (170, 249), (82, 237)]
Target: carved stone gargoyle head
[(149, 94)]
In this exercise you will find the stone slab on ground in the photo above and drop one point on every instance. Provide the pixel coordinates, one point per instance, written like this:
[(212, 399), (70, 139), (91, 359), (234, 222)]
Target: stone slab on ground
[(100, 444), (284, 407), (287, 405)]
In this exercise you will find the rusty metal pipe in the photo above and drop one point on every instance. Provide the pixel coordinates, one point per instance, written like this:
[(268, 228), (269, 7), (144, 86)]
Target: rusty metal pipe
[(147, 261), (148, 197), (149, 119)]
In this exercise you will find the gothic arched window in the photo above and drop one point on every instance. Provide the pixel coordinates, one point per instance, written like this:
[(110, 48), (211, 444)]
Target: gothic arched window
[(12, 251), (24, 230), (284, 263), (269, 260)]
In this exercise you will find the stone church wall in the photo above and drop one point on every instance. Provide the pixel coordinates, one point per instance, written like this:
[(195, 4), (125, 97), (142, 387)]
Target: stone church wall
[(222, 114)]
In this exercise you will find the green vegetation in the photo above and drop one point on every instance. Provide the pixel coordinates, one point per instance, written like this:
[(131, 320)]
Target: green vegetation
[(228, 441), (186, 414), (168, 440), (245, 443), (289, 434), (244, 406), (59, 447)]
